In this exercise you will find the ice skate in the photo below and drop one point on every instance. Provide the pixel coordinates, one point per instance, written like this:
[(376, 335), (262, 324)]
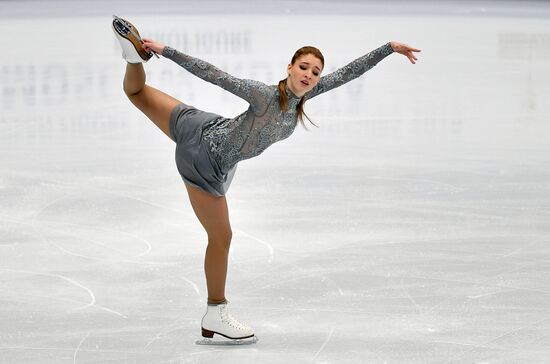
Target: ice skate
[(219, 321), (130, 41)]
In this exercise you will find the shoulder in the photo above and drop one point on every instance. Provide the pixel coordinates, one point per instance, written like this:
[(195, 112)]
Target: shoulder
[(261, 88)]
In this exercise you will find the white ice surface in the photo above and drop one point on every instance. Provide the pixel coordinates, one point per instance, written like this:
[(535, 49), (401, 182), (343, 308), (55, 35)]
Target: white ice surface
[(412, 227)]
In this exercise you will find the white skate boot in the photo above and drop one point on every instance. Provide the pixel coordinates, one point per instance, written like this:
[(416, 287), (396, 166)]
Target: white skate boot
[(130, 41), (218, 320)]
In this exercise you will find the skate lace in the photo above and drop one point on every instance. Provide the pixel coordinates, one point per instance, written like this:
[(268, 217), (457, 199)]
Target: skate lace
[(230, 320)]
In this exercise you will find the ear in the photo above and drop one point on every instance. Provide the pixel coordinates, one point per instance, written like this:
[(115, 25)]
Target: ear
[(289, 68)]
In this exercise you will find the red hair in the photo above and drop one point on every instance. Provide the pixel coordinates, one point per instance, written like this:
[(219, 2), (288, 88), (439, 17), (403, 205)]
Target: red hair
[(283, 98)]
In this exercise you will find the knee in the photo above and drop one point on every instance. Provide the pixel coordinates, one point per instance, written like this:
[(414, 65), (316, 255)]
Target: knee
[(132, 88), (131, 92), (220, 240)]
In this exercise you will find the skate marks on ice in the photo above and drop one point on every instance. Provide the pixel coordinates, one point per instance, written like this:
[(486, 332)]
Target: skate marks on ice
[(79, 346), (73, 282), (491, 342), (324, 344), (130, 253), (268, 246)]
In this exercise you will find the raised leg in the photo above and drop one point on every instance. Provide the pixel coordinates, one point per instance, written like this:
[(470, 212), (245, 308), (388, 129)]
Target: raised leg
[(155, 104), (212, 213)]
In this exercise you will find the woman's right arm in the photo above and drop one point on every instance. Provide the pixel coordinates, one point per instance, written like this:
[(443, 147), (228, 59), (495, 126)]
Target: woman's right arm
[(254, 92)]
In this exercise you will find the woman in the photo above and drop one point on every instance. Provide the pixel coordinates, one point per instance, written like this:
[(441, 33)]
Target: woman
[(209, 146)]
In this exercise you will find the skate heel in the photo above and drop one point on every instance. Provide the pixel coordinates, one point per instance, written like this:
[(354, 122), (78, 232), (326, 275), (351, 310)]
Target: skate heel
[(207, 333)]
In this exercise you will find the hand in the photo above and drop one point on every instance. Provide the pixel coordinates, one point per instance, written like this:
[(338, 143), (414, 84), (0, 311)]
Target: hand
[(405, 50), (151, 45)]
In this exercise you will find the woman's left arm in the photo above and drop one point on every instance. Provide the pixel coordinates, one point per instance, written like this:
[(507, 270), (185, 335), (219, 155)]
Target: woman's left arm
[(361, 65)]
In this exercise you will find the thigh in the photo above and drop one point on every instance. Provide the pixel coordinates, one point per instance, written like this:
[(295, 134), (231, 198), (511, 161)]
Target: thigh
[(211, 211), (157, 106)]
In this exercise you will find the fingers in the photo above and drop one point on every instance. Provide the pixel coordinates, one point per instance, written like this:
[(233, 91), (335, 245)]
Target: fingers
[(145, 45), (411, 57), (147, 42), (407, 51), (149, 45)]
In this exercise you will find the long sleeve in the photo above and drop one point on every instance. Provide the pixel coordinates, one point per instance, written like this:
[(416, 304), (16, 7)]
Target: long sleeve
[(351, 71), (254, 92)]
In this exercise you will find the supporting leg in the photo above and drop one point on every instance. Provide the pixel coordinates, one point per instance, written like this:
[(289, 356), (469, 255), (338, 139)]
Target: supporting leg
[(213, 214)]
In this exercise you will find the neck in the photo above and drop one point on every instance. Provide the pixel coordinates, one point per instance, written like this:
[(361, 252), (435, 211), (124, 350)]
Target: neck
[(288, 86)]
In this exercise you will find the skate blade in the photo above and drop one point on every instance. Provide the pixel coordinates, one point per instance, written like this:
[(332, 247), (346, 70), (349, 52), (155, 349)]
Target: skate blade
[(247, 341), (127, 28)]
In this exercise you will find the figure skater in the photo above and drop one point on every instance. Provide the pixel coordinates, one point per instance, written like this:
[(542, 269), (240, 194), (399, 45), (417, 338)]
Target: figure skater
[(209, 146)]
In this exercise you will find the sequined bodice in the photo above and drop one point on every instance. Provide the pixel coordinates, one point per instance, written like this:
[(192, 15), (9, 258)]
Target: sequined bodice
[(263, 123)]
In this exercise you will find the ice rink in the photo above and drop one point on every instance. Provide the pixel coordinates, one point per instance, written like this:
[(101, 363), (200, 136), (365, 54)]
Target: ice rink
[(412, 227)]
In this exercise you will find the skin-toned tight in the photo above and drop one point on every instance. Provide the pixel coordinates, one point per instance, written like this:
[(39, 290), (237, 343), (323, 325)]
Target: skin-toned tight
[(211, 210)]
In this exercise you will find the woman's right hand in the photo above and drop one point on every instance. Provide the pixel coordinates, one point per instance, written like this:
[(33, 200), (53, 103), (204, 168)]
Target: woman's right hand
[(151, 45)]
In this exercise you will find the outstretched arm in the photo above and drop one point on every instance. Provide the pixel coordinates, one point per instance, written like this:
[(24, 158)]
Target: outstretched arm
[(361, 65), (254, 92)]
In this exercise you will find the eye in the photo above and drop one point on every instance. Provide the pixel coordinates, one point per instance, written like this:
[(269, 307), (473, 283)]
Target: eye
[(316, 73), (303, 67)]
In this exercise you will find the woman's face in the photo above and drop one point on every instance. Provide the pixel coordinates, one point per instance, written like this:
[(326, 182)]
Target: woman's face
[(304, 74)]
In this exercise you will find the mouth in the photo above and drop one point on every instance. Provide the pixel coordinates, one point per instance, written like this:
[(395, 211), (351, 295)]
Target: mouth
[(305, 83)]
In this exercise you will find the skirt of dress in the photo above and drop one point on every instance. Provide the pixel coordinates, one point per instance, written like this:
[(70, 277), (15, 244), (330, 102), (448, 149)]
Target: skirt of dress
[(194, 160)]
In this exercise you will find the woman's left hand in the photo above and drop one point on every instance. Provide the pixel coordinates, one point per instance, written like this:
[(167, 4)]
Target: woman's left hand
[(405, 50)]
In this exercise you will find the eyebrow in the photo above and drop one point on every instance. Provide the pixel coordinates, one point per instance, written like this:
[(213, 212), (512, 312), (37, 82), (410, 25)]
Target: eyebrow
[(308, 64)]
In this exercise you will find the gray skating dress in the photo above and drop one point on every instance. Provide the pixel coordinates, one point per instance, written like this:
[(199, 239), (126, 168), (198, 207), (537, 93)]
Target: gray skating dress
[(209, 146)]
